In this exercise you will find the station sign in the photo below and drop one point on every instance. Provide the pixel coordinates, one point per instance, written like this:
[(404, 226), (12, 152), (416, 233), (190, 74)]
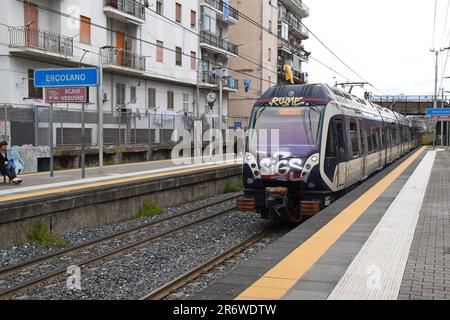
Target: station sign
[(438, 112), (66, 95), (74, 77)]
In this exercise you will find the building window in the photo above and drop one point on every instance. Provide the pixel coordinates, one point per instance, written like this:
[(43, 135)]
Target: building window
[(159, 7), (120, 95), (159, 51), (133, 96), (193, 60), (270, 26), (151, 98), (33, 92), (186, 102), (284, 31), (170, 98), (354, 139), (85, 30), (178, 56), (270, 81), (178, 12), (193, 19), (269, 53)]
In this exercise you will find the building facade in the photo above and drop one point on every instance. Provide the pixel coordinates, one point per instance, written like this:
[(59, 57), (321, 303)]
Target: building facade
[(161, 59), (279, 42)]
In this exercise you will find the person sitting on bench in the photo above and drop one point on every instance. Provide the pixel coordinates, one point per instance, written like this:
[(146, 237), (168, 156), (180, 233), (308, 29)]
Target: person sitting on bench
[(6, 168)]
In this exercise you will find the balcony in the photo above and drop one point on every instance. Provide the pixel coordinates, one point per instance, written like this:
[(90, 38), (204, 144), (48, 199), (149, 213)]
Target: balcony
[(128, 11), (219, 7), (294, 48), (123, 61), (39, 43), (299, 77), (209, 79), (217, 45), (296, 28), (297, 7)]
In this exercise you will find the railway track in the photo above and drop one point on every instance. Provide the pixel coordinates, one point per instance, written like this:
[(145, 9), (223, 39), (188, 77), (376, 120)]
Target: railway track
[(178, 283), (27, 284)]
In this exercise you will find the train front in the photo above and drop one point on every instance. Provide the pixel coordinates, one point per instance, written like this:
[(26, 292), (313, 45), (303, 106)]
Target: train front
[(281, 165)]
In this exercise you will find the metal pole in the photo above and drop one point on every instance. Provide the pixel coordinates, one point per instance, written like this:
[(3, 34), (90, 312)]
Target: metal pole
[(436, 53), (50, 135), (6, 121), (220, 97), (83, 145), (442, 122), (100, 112)]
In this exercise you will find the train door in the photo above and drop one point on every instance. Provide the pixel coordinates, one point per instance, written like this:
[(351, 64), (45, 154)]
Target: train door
[(363, 140), (335, 158)]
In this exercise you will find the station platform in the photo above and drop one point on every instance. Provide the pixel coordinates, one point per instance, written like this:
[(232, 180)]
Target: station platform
[(387, 239), (41, 184)]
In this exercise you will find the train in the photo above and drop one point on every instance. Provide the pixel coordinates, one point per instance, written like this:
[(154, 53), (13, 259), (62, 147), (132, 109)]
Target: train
[(309, 144)]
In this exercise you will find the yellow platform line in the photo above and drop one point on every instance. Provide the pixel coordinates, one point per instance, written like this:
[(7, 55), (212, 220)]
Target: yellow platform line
[(280, 279), (108, 183)]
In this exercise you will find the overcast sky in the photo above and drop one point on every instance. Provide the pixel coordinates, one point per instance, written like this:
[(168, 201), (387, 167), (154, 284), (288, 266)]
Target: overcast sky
[(386, 41)]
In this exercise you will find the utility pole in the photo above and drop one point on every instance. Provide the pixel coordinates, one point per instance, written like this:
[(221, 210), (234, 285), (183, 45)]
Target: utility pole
[(435, 101)]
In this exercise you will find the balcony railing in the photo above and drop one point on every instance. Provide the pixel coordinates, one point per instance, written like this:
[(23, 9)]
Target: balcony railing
[(217, 42), (296, 49), (220, 5), (293, 21), (123, 58), (210, 77), (24, 37), (302, 5), (301, 76), (132, 7)]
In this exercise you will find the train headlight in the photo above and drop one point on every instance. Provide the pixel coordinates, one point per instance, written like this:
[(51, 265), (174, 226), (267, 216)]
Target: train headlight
[(314, 159), (249, 157)]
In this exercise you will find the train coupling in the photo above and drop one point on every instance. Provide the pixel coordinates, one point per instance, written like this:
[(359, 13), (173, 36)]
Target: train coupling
[(276, 198), (246, 204)]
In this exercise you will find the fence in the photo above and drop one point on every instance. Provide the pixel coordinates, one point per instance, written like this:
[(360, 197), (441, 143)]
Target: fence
[(29, 125)]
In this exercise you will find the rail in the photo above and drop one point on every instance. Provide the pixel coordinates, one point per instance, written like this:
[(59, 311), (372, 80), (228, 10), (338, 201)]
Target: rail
[(123, 58)]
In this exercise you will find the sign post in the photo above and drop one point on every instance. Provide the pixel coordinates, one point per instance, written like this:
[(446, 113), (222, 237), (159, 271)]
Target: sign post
[(67, 86), (50, 136)]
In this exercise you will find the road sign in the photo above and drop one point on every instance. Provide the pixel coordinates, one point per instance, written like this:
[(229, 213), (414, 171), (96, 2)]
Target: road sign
[(66, 95), (51, 78), (442, 112), (238, 125)]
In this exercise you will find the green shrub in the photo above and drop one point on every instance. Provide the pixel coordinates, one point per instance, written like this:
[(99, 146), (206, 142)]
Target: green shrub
[(149, 209), (40, 234), (233, 187)]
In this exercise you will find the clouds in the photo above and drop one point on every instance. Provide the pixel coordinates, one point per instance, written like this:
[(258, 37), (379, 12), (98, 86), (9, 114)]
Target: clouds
[(386, 41)]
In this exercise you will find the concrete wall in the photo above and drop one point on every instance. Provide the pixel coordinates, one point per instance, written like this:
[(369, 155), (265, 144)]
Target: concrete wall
[(69, 213)]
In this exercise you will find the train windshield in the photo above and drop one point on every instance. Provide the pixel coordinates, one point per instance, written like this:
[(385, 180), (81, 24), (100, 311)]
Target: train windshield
[(291, 130)]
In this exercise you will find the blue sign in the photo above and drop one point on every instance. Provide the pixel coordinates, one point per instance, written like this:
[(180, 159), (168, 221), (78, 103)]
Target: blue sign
[(51, 78), (226, 9), (442, 112), (238, 125)]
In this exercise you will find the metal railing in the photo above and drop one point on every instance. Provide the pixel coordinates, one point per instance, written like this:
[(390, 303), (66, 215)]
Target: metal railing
[(132, 7), (28, 125), (209, 77), (123, 58), (302, 5), (429, 98), (295, 48), (293, 21), (213, 40), (25, 37), (231, 82), (220, 5)]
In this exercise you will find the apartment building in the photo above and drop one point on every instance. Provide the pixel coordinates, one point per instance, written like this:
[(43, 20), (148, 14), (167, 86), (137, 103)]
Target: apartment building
[(149, 51), (279, 43), (217, 52)]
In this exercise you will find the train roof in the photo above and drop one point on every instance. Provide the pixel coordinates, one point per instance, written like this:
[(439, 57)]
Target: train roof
[(323, 94)]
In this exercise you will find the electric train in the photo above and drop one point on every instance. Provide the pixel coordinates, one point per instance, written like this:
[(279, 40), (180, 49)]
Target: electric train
[(309, 144)]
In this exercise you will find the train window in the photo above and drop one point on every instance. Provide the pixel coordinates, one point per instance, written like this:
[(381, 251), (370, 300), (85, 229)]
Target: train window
[(370, 145), (354, 139), (381, 134), (363, 141), (375, 140), (331, 144)]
